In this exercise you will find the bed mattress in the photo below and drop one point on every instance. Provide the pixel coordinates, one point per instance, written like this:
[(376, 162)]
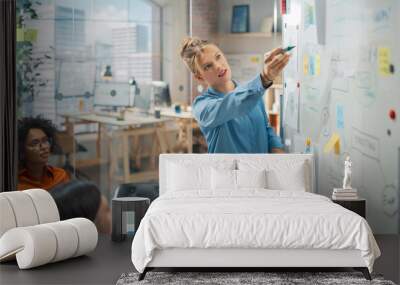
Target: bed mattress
[(251, 219)]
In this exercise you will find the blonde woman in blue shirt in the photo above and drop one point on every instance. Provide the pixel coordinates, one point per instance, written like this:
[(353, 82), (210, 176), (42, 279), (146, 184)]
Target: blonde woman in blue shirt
[(232, 117)]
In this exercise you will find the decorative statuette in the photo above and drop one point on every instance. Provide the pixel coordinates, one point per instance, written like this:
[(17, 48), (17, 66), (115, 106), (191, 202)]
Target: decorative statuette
[(347, 173)]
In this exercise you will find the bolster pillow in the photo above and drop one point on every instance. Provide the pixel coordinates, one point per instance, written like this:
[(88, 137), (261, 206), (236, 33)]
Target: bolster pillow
[(40, 244)]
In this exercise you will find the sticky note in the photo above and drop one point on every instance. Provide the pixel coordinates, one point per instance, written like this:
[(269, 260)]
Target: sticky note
[(339, 117), (333, 144), (311, 65), (30, 35), (384, 61), (20, 35), (255, 59), (317, 65), (308, 15), (305, 64), (287, 6)]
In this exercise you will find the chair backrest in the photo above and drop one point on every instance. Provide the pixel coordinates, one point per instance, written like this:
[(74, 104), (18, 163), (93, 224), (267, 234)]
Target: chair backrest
[(26, 208), (66, 142), (206, 159)]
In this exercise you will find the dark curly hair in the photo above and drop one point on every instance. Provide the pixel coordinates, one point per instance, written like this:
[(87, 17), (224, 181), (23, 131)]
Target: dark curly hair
[(38, 122)]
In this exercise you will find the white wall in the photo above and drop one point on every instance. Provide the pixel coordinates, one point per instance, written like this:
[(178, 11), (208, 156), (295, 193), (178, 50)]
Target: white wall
[(247, 43), (258, 10), (175, 28)]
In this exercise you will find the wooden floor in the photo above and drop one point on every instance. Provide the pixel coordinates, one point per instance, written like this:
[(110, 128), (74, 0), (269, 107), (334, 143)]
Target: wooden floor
[(103, 266), (389, 262), (110, 260)]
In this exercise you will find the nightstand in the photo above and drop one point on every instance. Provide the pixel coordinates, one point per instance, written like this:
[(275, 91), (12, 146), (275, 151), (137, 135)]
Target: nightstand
[(358, 206)]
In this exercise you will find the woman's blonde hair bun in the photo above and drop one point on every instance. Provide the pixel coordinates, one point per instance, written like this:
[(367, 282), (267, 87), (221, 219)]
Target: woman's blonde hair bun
[(190, 48)]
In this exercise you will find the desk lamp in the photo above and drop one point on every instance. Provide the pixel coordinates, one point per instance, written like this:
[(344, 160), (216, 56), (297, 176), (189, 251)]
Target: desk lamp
[(107, 74)]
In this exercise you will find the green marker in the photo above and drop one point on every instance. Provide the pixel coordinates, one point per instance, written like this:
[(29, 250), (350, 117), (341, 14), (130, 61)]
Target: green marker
[(289, 48)]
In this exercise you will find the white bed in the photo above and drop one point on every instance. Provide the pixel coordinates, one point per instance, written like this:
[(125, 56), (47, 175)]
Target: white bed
[(214, 223)]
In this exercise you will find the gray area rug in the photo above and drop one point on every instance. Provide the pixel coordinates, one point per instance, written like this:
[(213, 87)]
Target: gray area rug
[(228, 278)]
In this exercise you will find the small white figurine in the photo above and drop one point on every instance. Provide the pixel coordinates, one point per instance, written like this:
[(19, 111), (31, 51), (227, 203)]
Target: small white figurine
[(347, 173)]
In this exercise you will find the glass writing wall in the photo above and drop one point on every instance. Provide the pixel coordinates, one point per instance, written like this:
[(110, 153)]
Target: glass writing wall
[(96, 72)]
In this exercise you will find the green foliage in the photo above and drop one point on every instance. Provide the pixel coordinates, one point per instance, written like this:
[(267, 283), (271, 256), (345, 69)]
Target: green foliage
[(29, 79), (28, 76), (25, 9)]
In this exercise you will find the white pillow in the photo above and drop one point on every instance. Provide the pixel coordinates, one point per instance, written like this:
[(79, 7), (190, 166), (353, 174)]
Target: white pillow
[(186, 175), (282, 173), (223, 179), (183, 177), (251, 178), (291, 176), (227, 179)]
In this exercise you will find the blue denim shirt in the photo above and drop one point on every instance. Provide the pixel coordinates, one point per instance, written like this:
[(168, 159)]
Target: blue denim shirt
[(236, 122)]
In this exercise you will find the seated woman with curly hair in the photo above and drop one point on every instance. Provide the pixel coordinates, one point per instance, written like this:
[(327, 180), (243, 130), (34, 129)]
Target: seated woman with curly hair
[(36, 141)]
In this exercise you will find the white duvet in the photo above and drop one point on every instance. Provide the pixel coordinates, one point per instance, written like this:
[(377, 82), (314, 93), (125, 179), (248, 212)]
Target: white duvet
[(253, 218)]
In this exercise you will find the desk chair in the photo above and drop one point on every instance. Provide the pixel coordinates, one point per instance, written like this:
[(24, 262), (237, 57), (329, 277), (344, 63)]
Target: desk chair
[(65, 145)]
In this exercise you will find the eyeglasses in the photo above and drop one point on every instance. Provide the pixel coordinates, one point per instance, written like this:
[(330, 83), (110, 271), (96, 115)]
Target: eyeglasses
[(39, 143)]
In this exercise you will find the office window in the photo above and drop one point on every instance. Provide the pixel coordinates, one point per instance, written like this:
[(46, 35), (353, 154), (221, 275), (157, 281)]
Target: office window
[(64, 49), (69, 29)]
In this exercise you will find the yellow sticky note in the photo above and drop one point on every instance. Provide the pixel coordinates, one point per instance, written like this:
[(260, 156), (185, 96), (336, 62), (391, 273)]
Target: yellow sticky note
[(31, 35), (317, 65), (27, 35), (305, 64), (255, 59), (384, 61), (333, 143), (20, 35)]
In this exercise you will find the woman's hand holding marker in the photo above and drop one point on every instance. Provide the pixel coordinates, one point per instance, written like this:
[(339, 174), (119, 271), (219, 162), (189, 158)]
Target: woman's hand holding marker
[(274, 62)]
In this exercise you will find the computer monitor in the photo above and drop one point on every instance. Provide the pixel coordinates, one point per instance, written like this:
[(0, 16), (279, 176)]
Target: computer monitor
[(150, 94), (139, 94), (115, 94), (161, 93), (143, 94)]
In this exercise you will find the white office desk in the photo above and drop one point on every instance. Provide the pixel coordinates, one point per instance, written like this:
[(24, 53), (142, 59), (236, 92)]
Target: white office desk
[(127, 135), (169, 112), (133, 120), (186, 123)]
